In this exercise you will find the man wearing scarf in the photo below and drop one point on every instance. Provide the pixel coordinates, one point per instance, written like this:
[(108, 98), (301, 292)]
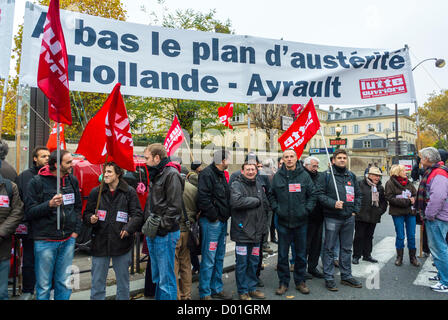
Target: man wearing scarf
[(164, 200), (373, 205), (432, 205)]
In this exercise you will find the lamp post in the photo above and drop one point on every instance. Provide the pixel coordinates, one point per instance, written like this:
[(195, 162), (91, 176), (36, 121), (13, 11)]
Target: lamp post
[(338, 131), (440, 63)]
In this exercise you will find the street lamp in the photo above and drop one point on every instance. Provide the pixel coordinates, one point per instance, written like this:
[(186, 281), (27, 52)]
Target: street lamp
[(440, 63), (338, 131)]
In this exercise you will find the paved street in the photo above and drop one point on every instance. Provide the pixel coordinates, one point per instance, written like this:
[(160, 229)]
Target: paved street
[(380, 281)]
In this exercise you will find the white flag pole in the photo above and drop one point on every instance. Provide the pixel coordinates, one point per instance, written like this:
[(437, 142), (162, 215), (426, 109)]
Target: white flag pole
[(58, 174), (331, 166)]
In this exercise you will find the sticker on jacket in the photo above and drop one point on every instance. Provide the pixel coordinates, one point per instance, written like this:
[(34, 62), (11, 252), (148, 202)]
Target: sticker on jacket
[(406, 194), (4, 202), (241, 250), (256, 251), (213, 246), (350, 193), (122, 216), (295, 187), (68, 198), (101, 215)]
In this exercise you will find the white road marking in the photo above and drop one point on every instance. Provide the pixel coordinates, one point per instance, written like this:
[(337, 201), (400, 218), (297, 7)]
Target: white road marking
[(383, 251), (427, 271)]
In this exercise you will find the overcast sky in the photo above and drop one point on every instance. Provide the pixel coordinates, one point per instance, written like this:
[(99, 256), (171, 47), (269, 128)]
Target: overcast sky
[(382, 24)]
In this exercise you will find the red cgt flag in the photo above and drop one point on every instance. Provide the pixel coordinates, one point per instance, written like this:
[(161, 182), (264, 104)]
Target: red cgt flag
[(109, 133), (301, 131), (174, 137), (297, 108), (225, 113), (52, 143), (52, 76)]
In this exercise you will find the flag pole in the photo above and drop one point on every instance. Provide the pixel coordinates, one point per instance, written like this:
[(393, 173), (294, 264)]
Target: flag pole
[(331, 167), (101, 187), (58, 173), (18, 127)]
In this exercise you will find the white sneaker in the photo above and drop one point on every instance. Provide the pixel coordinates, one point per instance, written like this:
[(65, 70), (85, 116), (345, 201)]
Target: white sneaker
[(435, 286), (435, 278), (440, 288)]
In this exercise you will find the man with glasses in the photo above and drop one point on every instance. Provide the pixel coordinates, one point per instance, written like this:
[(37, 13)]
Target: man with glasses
[(315, 221)]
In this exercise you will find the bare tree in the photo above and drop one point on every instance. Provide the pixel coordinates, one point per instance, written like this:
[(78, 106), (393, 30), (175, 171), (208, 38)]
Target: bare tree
[(268, 117)]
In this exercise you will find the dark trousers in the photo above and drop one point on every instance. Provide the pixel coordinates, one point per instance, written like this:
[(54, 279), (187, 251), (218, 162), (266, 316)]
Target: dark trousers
[(150, 287), (195, 262), (285, 237), (313, 243), (272, 228), (260, 260), (362, 244), (28, 274)]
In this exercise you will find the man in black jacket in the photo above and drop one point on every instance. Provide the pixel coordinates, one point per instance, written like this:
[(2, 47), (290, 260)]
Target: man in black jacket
[(165, 201), (315, 220), (249, 205), (54, 248), (118, 217), (340, 207), (40, 159), (214, 204), (293, 197)]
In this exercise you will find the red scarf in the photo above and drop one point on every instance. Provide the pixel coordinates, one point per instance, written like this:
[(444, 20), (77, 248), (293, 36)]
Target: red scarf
[(402, 181)]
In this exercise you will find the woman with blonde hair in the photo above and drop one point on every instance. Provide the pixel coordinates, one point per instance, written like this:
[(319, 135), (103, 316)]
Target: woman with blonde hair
[(400, 193)]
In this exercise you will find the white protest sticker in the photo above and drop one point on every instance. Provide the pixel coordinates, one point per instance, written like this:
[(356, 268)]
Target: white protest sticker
[(102, 215), (68, 198), (350, 193), (122, 216), (4, 202)]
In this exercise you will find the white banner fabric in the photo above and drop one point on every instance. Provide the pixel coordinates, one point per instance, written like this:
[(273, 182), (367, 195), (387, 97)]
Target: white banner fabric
[(162, 62)]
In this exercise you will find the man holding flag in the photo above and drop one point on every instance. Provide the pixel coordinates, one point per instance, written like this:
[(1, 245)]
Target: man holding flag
[(340, 207)]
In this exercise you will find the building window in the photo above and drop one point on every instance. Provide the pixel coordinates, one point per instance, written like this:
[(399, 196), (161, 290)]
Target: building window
[(356, 128), (366, 144), (332, 131), (379, 127), (238, 118), (344, 129), (392, 126), (369, 126)]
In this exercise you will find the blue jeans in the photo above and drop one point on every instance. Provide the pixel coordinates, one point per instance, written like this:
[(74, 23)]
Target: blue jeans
[(4, 274), (437, 231), (247, 256), (402, 222), (213, 250), (100, 268), (285, 237), (162, 252), (53, 260)]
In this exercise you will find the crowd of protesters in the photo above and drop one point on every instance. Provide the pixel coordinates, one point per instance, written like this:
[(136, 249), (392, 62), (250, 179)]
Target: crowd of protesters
[(329, 215)]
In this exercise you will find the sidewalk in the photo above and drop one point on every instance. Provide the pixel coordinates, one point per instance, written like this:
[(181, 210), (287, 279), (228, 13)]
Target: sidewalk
[(136, 286)]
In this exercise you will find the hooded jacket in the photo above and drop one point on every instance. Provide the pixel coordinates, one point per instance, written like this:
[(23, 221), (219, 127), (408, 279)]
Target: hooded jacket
[(121, 211), (348, 190), (43, 218), (249, 205), (293, 196), (165, 196), (22, 183), (213, 194)]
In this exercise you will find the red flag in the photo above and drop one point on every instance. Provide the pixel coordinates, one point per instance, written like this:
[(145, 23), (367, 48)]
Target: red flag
[(301, 131), (52, 76), (174, 137), (297, 108), (109, 132), (225, 113), (52, 143)]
